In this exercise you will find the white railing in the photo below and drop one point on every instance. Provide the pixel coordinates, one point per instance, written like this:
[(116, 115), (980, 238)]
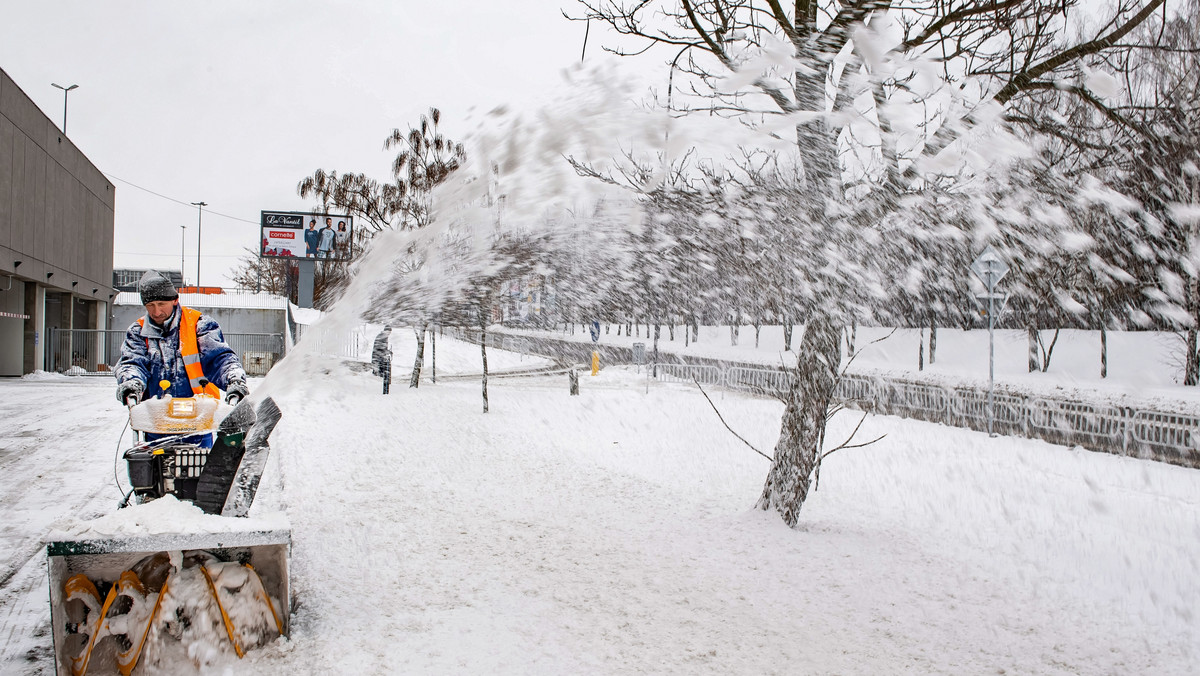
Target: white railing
[(352, 344), (688, 373)]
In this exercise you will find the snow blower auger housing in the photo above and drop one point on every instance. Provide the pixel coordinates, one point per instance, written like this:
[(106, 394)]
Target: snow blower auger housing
[(169, 586)]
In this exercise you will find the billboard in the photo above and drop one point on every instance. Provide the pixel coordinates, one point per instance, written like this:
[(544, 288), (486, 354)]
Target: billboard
[(294, 234)]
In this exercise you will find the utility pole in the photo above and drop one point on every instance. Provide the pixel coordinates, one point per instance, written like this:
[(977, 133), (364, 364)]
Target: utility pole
[(66, 90), (199, 229), (182, 250)]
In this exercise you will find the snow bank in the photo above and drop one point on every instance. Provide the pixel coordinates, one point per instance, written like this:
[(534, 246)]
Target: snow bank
[(43, 375), (163, 516), (304, 315)]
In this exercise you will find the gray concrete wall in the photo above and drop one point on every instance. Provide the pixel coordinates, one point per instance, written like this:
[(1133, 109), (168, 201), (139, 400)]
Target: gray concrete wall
[(57, 213), (257, 353), (232, 320), (12, 329), (56, 207)]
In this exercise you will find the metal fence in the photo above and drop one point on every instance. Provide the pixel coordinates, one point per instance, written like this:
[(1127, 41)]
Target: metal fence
[(687, 373), (1157, 435), (352, 344), (1167, 437), (97, 350)]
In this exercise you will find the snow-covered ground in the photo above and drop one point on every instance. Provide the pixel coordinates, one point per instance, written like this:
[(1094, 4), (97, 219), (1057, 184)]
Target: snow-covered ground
[(614, 532)]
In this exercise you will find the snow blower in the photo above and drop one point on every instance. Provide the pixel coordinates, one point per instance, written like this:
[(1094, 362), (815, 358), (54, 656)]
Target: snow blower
[(161, 584)]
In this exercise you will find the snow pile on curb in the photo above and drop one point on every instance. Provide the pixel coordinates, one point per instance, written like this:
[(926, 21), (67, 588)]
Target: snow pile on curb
[(166, 515), (43, 375)]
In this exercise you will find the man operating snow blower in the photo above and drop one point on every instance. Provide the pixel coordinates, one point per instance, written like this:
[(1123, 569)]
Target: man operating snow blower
[(164, 588), (175, 344)]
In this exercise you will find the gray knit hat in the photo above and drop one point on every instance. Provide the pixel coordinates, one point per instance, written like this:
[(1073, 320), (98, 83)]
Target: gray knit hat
[(155, 286)]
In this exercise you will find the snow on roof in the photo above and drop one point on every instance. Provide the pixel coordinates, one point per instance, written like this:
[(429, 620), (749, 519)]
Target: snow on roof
[(242, 300), (305, 315)]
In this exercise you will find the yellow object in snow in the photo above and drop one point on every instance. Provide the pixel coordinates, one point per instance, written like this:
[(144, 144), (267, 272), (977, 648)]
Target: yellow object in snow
[(595, 362)]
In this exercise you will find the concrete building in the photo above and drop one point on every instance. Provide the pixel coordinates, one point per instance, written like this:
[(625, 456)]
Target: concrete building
[(56, 239)]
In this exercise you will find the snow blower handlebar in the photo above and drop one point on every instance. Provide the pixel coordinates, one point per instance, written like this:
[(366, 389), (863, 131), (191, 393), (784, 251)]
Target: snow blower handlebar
[(236, 392)]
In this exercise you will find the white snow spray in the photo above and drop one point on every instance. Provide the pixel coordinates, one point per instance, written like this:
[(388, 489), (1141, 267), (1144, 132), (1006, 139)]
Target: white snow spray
[(519, 178)]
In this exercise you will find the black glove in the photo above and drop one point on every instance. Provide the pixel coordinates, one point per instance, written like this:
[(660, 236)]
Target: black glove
[(130, 388), (235, 391)]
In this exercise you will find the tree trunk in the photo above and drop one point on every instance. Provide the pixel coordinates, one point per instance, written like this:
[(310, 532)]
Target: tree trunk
[(657, 330), (1034, 362), (1048, 352), (483, 351), (734, 330), (1191, 369), (671, 330), (433, 349), (757, 331), (932, 338), (921, 351), (695, 329), (1103, 350), (803, 427), (419, 362), (1191, 365), (787, 334)]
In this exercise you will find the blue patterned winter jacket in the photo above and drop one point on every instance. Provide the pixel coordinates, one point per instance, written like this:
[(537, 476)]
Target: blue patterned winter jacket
[(151, 353)]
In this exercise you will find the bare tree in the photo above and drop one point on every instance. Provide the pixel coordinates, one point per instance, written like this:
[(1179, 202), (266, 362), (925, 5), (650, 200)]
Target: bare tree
[(815, 63), (425, 158), (1163, 171)]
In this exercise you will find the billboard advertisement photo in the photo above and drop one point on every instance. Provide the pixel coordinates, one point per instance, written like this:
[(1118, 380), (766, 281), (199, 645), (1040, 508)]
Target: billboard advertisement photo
[(292, 234)]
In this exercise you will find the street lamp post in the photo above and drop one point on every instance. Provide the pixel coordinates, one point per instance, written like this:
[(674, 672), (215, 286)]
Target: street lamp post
[(66, 90), (182, 250), (199, 227)]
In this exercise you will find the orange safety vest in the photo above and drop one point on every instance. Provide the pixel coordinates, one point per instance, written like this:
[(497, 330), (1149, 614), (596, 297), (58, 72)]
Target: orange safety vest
[(189, 349)]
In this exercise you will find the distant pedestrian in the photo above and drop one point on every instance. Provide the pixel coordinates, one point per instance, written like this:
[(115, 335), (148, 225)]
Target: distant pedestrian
[(381, 357)]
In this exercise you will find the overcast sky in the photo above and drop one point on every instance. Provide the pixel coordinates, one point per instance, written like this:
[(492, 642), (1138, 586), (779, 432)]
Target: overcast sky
[(233, 102)]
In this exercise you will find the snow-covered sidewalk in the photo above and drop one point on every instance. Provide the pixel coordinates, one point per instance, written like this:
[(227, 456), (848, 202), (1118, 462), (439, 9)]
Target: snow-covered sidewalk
[(614, 532)]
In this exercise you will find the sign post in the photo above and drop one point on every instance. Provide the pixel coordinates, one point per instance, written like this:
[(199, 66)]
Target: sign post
[(306, 238), (990, 268)]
